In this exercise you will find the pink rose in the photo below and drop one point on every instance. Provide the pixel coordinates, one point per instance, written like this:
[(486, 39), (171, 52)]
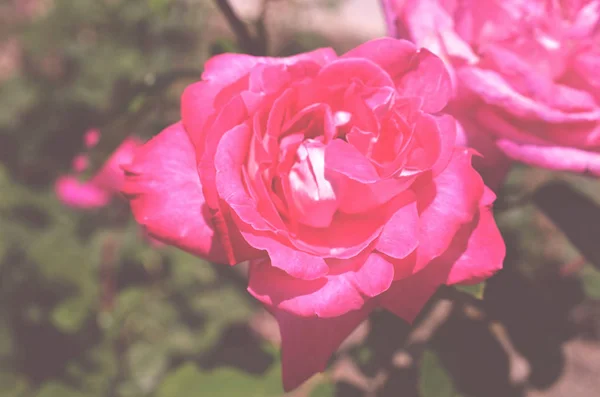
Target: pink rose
[(108, 181), (335, 176), (91, 138), (527, 69)]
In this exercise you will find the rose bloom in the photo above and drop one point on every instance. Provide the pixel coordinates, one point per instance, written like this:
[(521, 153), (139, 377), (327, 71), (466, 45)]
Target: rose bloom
[(526, 71), (99, 190), (335, 176)]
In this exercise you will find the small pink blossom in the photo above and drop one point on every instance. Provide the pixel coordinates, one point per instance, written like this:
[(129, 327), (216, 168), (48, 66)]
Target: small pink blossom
[(91, 138), (99, 189), (80, 163)]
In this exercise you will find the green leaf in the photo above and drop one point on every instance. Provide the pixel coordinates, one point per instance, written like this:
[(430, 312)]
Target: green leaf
[(185, 381), (159, 6), (325, 389), (7, 345), (55, 389), (147, 363), (590, 280), (434, 381), (475, 290), (71, 313), (226, 304), (189, 381), (13, 385), (189, 271)]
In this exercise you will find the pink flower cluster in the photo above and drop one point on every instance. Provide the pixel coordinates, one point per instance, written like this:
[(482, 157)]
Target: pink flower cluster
[(337, 177), (525, 74), (99, 190)]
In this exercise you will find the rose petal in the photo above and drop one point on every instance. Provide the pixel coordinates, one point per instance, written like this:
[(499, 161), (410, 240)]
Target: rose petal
[(495, 90), (446, 203), (229, 159), (426, 145), (227, 68), (400, 235), (372, 277), (527, 80), (552, 157), (166, 196), (427, 79), (343, 158), (344, 71), (296, 263), (406, 297), (111, 176), (312, 195), (233, 114), (328, 296), (307, 343), (365, 197), (392, 55), (446, 126), (485, 249), (197, 106), (586, 66)]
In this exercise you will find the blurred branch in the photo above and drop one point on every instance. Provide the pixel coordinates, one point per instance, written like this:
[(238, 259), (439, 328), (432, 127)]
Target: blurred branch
[(245, 39), (519, 367), (262, 40), (452, 303), (423, 332)]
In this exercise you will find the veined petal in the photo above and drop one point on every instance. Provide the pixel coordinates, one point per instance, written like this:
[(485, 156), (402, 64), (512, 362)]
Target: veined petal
[(166, 195)]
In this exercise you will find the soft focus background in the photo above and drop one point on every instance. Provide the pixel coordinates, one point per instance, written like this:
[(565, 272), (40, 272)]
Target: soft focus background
[(90, 307)]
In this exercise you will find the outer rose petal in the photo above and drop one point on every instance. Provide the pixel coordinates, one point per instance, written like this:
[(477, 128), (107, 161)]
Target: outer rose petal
[(477, 251), (309, 342), (495, 90), (406, 297), (111, 177), (427, 78), (429, 25), (72, 192), (552, 157), (394, 56), (197, 106), (329, 296), (166, 196), (227, 68), (453, 200), (323, 297), (485, 249), (344, 71)]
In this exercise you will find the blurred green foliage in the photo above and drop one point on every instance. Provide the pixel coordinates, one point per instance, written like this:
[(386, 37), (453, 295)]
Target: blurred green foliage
[(434, 380)]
